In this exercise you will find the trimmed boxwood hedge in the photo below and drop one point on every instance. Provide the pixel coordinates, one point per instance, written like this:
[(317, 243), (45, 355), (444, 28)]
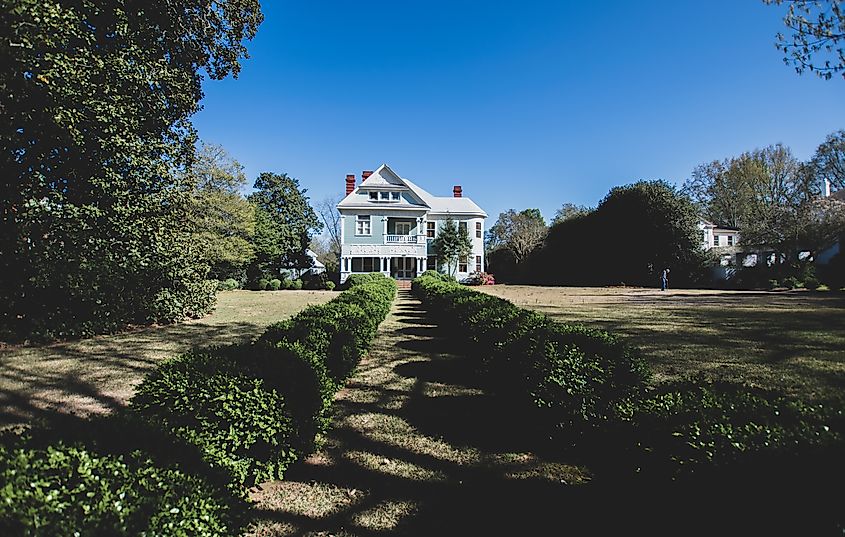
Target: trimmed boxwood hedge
[(568, 372), (70, 490), (254, 409), (699, 423)]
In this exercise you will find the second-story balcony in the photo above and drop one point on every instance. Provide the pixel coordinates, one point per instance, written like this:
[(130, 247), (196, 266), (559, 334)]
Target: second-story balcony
[(404, 239)]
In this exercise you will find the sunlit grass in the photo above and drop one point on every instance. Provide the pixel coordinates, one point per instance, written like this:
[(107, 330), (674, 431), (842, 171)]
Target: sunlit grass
[(99, 374), (789, 341)]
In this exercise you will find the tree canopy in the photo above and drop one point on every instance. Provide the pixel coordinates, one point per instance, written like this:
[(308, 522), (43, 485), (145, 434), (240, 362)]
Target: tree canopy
[(829, 160), (817, 31), (520, 232), (770, 196), (223, 221), (451, 245), (284, 223), (635, 232), (97, 103)]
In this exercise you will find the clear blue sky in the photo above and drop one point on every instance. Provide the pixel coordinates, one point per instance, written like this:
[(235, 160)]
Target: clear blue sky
[(524, 104)]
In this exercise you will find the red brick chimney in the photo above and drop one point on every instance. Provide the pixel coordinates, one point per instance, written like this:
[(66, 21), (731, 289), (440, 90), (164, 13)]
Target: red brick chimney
[(365, 174), (457, 191), (350, 183)]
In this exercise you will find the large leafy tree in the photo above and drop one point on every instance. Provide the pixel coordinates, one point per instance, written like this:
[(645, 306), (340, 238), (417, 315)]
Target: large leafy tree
[(284, 223), (817, 34), (520, 232), (829, 161), (569, 211), (451, 245), (636, 231), (770, 196), (97, 101), (223, 220)]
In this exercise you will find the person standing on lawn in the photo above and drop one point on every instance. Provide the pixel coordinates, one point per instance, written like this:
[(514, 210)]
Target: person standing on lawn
[(664, 279)]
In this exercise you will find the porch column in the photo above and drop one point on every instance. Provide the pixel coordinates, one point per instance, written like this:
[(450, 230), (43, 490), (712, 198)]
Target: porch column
[(389, 263)]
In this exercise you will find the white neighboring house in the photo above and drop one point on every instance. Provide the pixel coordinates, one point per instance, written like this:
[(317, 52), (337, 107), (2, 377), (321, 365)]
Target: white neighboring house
[(713, 236), (316, 267), (388, 223)]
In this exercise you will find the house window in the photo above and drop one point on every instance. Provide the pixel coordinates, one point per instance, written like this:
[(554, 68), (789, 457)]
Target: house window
[(478, 230), (478, 263), (715, 240), (394, 196), (462, 266), (385, 195), (730, 240), (403, 228), (362, 225), (431, 262), (374, 196), (365, 264), (462, 228), (429, 230)]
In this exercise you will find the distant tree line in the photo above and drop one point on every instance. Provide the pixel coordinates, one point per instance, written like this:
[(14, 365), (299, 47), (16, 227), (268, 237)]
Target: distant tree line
[(636, 231)]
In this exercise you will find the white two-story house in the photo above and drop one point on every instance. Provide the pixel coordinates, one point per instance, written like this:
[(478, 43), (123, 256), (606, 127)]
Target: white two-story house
[(388, 223)]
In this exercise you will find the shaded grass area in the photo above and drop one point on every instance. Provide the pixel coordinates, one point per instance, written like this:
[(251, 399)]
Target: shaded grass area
[(793, 342), (419, 448), (98, 375)]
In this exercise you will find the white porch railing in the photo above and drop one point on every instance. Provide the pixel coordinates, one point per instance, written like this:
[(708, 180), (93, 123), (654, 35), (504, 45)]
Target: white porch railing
[(404, 239)]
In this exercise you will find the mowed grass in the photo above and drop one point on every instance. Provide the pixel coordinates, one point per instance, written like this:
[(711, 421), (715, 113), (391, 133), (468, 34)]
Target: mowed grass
[(793, 342), (96, 375)]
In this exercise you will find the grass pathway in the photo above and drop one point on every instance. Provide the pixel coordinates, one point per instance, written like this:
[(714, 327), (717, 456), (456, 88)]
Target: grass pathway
[(417, 448)]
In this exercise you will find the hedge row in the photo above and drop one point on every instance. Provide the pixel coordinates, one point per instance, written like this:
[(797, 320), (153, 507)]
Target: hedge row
[(252, 410), (243, 413), (575, 374), (569, 373), (70, 490)]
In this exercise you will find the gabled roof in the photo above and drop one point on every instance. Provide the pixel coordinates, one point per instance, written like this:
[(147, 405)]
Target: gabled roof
[(384, 178)]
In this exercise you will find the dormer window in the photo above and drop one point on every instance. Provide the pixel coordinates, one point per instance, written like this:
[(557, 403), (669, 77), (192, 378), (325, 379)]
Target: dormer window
[(384, 196)]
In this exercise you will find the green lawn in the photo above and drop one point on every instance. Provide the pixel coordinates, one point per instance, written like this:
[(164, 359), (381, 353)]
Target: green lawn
[(790, 341), (99, 374)]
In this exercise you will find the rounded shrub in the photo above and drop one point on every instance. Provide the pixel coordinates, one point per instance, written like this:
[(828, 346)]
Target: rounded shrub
[(235, 419), (262, 284), (296, 285), (330, 285), (274, 285), (69, 490)]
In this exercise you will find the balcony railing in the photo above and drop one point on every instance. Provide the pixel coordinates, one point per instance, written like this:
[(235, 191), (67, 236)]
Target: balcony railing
[(404, 239)]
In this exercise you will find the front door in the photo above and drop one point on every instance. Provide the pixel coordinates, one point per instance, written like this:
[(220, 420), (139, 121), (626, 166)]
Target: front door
[(403, 268)]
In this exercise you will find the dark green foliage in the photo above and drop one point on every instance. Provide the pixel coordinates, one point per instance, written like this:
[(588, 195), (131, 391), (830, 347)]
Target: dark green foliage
[(451, 245), (238, 422), (96, 113), (274, 285), (329, 285), (594, 249), (695, 423), (263, 283), (228, 284), (358, 279), (284, 223), (569, 373), (70, 490), (296, 285), (253, 409)]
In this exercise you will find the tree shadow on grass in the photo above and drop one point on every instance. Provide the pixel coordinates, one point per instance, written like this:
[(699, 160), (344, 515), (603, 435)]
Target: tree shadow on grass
[(419, 449), (95, 376)]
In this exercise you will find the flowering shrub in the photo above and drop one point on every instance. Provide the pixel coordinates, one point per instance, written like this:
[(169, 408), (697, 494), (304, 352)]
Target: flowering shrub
[(479, 278)]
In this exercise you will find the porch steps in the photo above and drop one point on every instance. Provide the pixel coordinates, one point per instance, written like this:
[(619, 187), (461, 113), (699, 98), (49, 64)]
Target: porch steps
[(403, 284)]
